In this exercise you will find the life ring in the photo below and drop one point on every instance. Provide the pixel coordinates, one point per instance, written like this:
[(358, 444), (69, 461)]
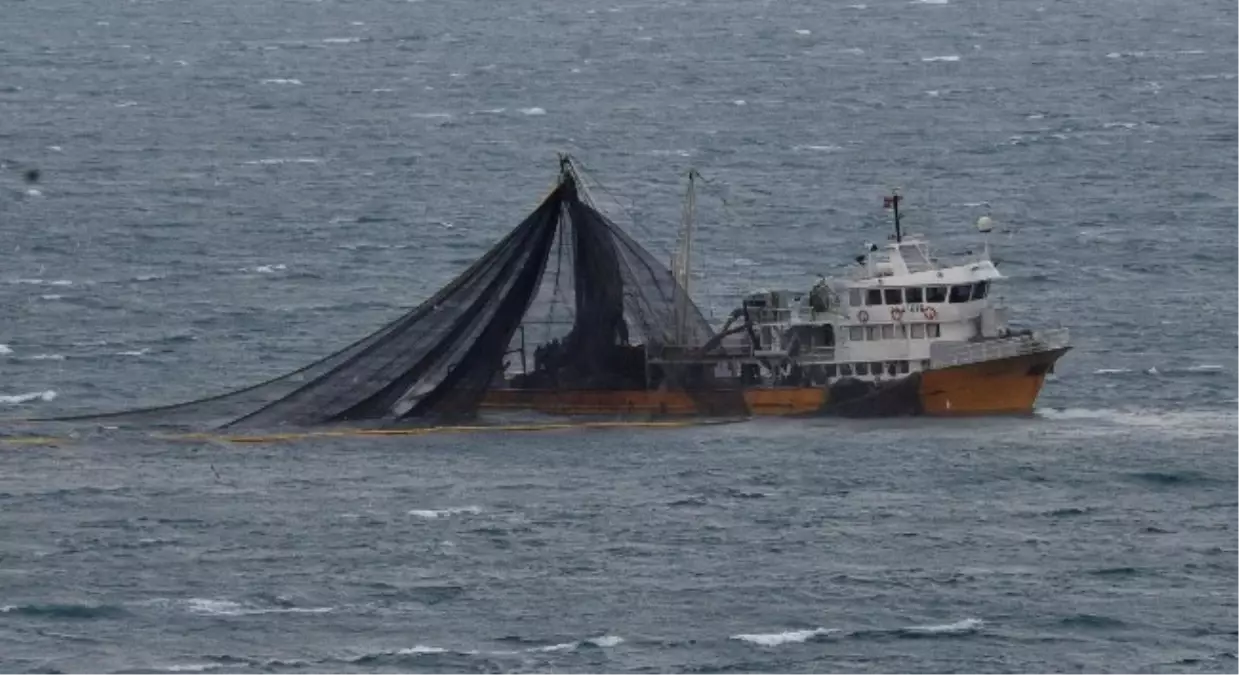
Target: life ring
[(862, 316), (931, 313), (896, 313)]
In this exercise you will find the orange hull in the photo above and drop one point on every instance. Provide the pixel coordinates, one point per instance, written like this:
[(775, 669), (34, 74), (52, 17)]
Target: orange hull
[(1000, 387), (1004, 386)]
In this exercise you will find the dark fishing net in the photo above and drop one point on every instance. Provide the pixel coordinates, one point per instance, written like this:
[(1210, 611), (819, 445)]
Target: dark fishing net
[(565, 303)]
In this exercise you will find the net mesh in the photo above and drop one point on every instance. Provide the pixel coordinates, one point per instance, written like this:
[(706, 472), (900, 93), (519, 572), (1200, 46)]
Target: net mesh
[(566, 303)]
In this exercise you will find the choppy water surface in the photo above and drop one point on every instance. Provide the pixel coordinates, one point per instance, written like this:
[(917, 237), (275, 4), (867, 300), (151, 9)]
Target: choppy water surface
[(232, 189)]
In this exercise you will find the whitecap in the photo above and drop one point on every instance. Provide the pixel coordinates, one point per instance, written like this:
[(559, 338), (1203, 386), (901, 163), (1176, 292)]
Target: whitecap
[(931, 2), (1125, 125), (817, 148), (5, 349), (491, 111), (964, 626), (269, 269), (55, 148), (342, 41), (533, 111), (602, 641), (852, 50), (1111, 371), (932, 92), (42, 282), (230, 608), (432, 116), (382, 90), (740, 101), (1205, 368), (803, 31), (137, 352), (948, 58), (148, 277), (285, 160), (47, 357), (776, 639), (282, 80), (421, 649), (189, 668), (561, 647), (859, 6), (45, 396), (34, 192), (431, 514)]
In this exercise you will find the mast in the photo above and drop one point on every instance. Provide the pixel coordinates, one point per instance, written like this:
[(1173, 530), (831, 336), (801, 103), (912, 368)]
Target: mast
[(892, 202), (682, 270)]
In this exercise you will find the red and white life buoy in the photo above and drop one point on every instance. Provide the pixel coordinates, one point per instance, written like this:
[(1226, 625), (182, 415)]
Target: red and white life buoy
[(896, 314), (931, 313), (862, 316)]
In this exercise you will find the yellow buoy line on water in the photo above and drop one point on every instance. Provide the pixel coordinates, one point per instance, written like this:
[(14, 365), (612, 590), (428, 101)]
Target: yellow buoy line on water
[(290, 436)]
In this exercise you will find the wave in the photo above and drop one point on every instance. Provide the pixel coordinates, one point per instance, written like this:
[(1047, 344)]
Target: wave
[(422, 651), (958, 628), (5, 349), (776, 639), (230, 608), (962, 627), (64, 611), (431, 514), (44, 396), (1202, 423)]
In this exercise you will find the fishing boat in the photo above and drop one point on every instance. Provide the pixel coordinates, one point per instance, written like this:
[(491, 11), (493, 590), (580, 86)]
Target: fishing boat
[(568, 314), (900, 332)]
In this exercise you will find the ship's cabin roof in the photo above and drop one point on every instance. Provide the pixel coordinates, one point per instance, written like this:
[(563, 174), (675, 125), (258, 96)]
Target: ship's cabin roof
[(910, 262)]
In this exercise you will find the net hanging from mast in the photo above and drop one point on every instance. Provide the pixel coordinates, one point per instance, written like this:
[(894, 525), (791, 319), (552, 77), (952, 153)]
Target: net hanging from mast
[(566, 284)]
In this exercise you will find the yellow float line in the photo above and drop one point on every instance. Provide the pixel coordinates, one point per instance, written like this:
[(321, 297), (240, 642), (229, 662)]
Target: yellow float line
[(347, 433)]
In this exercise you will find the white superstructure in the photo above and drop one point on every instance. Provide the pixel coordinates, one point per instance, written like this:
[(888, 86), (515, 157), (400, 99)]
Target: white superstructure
[(900, 311)]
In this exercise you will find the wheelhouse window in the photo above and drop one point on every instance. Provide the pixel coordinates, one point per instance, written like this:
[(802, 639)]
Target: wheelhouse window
[(935, 294), (918, 331), (894, 296), (862, 369), (845, 369), (876, 367), (903, 367), (892, 368), (961, 293), (980, 290), (871, 332), (873, 296), (913, 295), (854, 297), (856, 333), (932, 330), (903, 331), (831, 370), (888, 332)]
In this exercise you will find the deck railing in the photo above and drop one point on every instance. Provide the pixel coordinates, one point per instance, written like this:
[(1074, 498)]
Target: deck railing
[(946, 354)]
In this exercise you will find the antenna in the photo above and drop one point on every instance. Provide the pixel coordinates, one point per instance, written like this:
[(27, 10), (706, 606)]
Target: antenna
[(892, 202)]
